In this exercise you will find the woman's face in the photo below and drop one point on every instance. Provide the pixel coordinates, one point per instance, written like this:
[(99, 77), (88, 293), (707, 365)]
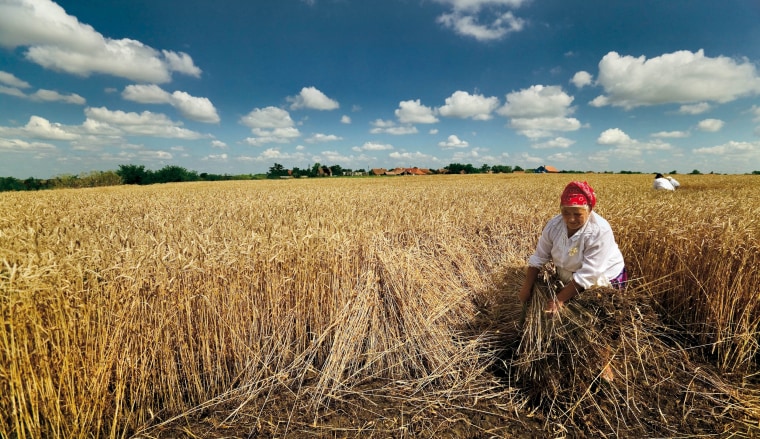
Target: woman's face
[(575, 217)]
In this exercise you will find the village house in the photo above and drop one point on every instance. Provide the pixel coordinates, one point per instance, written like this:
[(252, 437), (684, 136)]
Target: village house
[(408, 171), (547, 169)]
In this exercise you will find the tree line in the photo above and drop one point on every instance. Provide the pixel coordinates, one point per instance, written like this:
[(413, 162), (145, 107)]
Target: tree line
[(126, 174), (89, 179), (138, 174), (134, 174), (317, 170)]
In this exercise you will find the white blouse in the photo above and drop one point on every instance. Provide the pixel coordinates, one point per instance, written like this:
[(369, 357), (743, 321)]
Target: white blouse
[(663, 184), (590, 257)]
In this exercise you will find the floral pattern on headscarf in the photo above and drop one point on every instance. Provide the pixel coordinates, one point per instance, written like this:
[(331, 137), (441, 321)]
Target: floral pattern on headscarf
[(578, 193)]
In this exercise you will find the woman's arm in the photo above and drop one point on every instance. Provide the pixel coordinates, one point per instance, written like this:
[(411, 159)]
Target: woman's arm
[(566, 293), (531, 274)]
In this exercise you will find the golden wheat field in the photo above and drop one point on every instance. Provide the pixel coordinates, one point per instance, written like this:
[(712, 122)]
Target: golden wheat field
[(373, 307)]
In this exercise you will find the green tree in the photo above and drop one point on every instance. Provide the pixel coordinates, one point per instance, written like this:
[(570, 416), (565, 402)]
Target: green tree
[(133, 174), (319, 170), (314, 171), (297, 172), (501, 169), (173, 174), (336, 170), (11, 184), (459, 168), (33, 184), (277, 171), (695, 172)]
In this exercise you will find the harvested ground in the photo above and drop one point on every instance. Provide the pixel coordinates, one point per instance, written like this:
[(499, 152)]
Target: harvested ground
[(605, 366)]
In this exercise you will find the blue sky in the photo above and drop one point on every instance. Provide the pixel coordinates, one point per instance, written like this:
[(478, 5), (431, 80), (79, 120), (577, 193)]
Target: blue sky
[(236, 86)]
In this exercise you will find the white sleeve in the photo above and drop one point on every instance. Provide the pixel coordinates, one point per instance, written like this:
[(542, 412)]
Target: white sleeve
[(596, 256), (543, 253)]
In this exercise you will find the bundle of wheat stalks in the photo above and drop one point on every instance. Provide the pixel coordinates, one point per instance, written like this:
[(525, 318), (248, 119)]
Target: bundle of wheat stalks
[(606, 366)]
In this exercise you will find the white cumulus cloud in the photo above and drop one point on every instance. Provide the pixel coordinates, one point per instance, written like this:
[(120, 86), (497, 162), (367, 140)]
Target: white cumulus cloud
[(11, 80), (614, 136), (194, 108), (678, 77), (15, 86), (415, 112), (453, 142), (268, 117), (57, 41), (409, 156), (18, 145), (627, 146), (710, 125), (53, 96), (476, 5), (12, 91), (582, 79), (216, 158), (735, 154), (322, 138), (471, 25), (312, 98), (139, 124), (41, 128), (693, 109), (146, 94), (275, 135), (540, 111), (557, 142), (464, 105), (483, 20), (373, 146), (537, 101), (671, 134), (191, 107), (380, 126), (538, 127), (739, 149)]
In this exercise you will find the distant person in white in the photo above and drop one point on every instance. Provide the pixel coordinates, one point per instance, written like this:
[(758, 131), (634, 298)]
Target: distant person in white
[(662, 183), (673, 181)]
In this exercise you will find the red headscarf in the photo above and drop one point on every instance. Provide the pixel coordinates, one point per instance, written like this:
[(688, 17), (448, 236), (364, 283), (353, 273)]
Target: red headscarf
[(578, 193)]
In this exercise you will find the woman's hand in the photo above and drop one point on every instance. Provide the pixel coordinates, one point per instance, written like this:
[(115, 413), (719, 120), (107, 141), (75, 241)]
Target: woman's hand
[(568, 292), (553, 306)]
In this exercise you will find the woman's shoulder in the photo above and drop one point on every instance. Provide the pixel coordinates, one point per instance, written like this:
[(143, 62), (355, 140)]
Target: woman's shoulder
[(554, 221), (554, 226), (598, 224)]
